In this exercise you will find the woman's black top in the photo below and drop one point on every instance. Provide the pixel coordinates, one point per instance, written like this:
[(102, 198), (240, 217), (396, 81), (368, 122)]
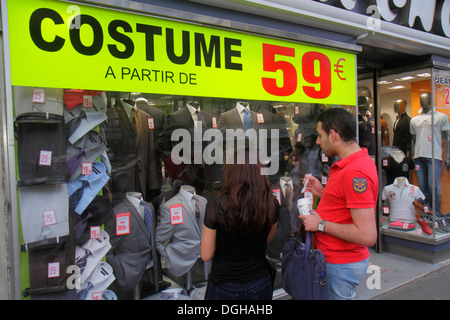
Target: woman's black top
[(240, 257)]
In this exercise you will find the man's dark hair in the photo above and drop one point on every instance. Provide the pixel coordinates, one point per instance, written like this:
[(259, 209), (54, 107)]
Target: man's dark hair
[(340, 121)]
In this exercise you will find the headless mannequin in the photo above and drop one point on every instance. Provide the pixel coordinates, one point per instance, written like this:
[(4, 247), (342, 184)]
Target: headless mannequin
[(424, 173), (135, 198), (402, 134), (401, 182)]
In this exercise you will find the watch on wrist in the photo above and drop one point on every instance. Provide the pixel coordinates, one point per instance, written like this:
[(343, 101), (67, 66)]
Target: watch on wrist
[(321, 226)]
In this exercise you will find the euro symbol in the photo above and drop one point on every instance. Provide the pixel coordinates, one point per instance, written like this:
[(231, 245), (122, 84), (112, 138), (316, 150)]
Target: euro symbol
[(338, 69)]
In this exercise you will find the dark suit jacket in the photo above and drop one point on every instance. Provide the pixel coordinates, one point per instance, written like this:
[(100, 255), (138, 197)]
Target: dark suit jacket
[(130, 253), (231, 120), (154, 176), (179, 119), (121, 140)]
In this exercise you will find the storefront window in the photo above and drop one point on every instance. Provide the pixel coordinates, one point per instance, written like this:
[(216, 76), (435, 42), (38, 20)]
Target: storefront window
[(82, 152), (413, 150)]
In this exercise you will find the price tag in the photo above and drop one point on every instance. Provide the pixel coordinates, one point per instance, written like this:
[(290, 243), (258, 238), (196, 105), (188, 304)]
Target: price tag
[(97, 295), (49, 217), (386, 210), (260, 117), (45, 158), (38, 95), (277, 194), (176, 214), (417, 167), (122, 223), (299, 137), (95, 232), (53, 270), (385, 163), (151, 123), (214, 122), (296, 110), (425, 209), (87, 101), (324, 157), (324, 180), (86, 168)]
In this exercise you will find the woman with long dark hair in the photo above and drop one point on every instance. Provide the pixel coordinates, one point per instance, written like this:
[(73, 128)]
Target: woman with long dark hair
[(237, 227)]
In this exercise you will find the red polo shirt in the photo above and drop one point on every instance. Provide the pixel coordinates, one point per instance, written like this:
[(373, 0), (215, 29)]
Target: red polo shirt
[(352, 184)]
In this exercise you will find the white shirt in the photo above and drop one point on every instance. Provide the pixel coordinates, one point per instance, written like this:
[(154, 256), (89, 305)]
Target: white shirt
[(283, 183), (401, 201), (421, 126)]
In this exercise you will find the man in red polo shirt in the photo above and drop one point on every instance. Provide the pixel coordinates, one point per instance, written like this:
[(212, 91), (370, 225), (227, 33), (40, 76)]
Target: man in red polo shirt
[(345, 216)]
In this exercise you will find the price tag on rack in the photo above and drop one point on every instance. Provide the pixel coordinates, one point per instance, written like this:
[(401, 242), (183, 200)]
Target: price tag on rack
[(87, 101), (49, 217), (53, 270), (38, 95), (45, 158)]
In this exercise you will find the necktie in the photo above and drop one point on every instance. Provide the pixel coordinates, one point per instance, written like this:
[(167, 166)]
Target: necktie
[(288, 195), (197, 208), (81, 262), (247, 120), (200, 118), (136, 125), (83, 293), (148, 218)]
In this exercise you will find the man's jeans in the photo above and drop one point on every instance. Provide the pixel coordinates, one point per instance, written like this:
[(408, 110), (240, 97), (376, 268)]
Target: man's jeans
[(425, 180), (260, 289), (343, 279)]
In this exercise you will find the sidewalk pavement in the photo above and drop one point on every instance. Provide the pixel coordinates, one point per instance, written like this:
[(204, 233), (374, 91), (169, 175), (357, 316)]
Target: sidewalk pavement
[(393, 277)]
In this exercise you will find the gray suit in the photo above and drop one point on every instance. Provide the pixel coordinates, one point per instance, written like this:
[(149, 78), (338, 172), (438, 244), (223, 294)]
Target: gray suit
[(179, 244), (129, 253)]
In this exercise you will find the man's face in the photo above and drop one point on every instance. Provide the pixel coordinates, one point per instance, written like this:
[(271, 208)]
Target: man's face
[(323, 140)]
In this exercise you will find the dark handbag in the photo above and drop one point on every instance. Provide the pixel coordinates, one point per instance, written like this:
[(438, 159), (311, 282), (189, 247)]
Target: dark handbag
[(304, 270)]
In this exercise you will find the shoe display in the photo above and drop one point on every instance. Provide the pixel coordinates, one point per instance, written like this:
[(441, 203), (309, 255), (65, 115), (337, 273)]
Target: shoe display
[(424, 225)]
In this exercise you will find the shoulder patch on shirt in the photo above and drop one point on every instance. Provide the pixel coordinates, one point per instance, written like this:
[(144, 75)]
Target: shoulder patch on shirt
[(359, 184)]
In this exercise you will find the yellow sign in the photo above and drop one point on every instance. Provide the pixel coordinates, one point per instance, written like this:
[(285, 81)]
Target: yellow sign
[(58, 44)]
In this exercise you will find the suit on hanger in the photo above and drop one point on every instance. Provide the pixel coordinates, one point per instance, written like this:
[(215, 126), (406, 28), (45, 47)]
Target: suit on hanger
[(154, 176), (125, 150), (180, 119), (130, 253), (179, 244)]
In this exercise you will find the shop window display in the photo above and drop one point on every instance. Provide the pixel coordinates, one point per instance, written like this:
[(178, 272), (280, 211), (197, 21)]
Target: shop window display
[(416, 152), (124, 202)]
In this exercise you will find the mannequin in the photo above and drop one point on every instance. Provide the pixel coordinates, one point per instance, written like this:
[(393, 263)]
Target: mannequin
[(234, 118), (402, 133), (127, 137), (284, 195), (366, 128), (133, 249), (428, 130), (400, 196), (398, 164), (179, 231)]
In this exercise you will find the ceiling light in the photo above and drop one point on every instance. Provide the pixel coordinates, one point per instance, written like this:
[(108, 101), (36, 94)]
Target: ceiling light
[(384, 82), (396, 87), (424, 75), (405, 78)]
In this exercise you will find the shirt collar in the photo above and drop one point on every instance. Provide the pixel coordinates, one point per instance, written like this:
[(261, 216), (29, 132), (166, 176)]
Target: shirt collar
[(396, 182), (186, 194), (241, 108), (342, 163), (192, 109)]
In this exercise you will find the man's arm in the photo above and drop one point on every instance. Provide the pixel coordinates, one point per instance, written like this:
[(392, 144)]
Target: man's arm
[(362, 231)]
